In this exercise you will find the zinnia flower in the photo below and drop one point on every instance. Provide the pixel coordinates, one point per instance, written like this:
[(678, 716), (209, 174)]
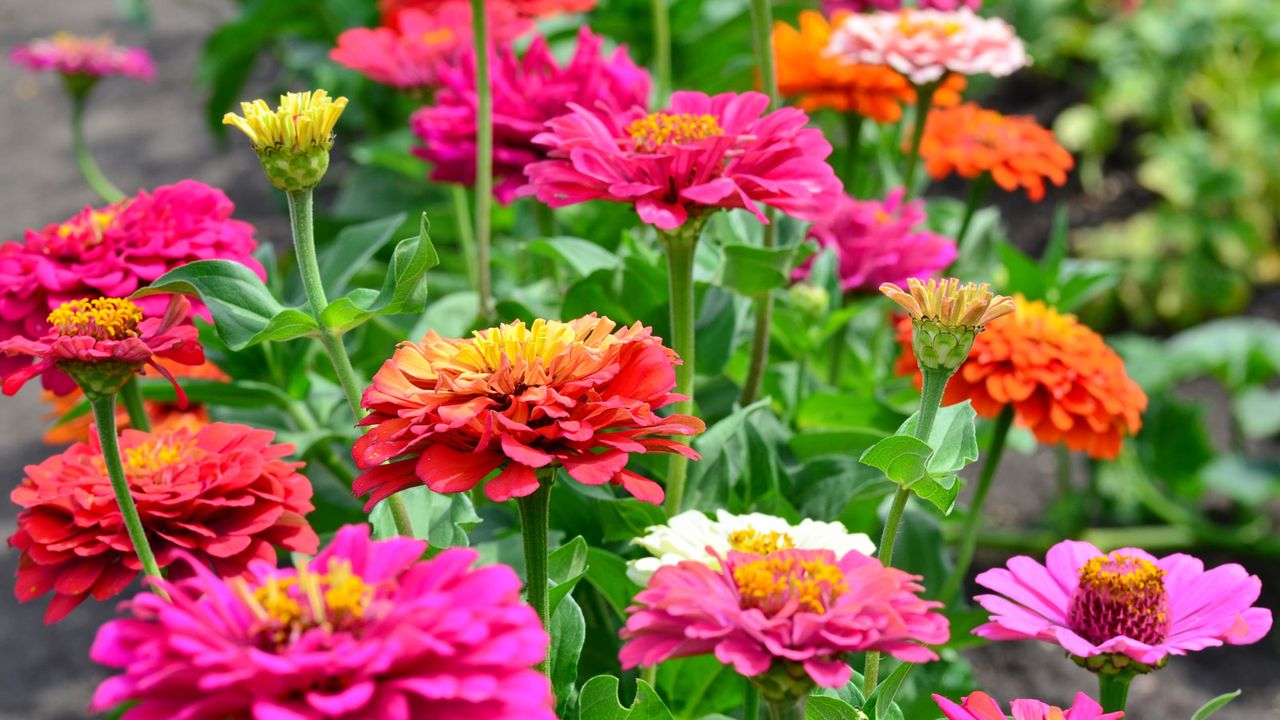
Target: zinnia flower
[(692, 535), (981, 706), (1127, 603), (946, 318), (292, 140), (801, 609), (103, 342), (820, 81), (84, 58), (527, 92), (700, 154), (528, 8), (925, 45), (879, 242), (364, 630), (972, 142), (1063, 382), (578, 394), (222, 493), (833, 6)]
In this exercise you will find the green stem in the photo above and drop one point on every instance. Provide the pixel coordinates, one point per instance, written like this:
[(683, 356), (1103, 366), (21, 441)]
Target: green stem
[(1113, 691), (762, 24), (835, 363), (661, 49), (977, 193), (104, 415), (535, 525), (924, 98), (135, 11), (484, 158), (750, 702), (853, 133), (759, 358), (88, 168), (969, 540), (132, 396), (466, 233), (786, 709), (680, 245), (802, 384)]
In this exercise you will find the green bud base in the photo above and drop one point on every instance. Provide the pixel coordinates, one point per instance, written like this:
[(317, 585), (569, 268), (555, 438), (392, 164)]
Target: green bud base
[(941, 347), (1116, 664), (294, 171), (100, 380)]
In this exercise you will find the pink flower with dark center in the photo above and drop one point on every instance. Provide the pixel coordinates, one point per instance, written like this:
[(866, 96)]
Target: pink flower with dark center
[(700, 154), (804, 608), (981, 706), (880, 242), (84, 57), (1127, 603), (364, 630), (527, 92)]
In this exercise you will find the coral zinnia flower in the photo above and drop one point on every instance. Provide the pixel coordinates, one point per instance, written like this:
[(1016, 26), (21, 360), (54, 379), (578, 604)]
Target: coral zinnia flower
[(925, 45), (981, 706), (692, 535), (1061, 379), (879, 242), (1016, 151), (87, 58), (700, 154), (364, 630), (577, 394), (1126, 603), (527, 92), (820, 81), (804, 609), (222, 493)]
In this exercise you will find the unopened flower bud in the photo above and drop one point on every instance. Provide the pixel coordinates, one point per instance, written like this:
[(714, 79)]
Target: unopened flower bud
[(293, 140), (812, 300), (946, 317)]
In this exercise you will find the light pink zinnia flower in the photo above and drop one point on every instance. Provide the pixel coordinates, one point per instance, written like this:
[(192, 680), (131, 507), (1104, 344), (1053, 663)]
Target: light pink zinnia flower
[(701, 153), (84, 57), (981, 706), (880, 242), (527, 92), (1128, 603), (831, 7), (800, 607), (925, 45), (364, 630)]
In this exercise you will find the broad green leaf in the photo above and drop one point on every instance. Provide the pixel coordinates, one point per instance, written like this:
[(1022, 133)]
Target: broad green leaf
[(583, 256), (1215, 705), (404, 289), (700, 685), (953, 438), (568, 631), (882, 698), (444, 521), (566, 565), (752, 270), (599, 701), (903, 459), (628, 518), (353, 249), (929, 469), (607, 573), (820, 707)]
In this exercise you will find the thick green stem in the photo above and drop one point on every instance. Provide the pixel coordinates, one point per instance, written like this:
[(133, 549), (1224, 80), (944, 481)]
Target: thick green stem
[(661, 50), (977, 193), (786, 709), (484, 158), (750, 702), (535, 525), (924, 99), (466, 233), (762, 24), (104, 415), (969, 539), (132, 396), (1113, 692), (759, 358), (680, 245), (88, 168)]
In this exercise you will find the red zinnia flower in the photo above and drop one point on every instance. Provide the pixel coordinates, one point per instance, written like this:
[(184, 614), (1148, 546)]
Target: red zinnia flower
[(223, 493), (577, 394)]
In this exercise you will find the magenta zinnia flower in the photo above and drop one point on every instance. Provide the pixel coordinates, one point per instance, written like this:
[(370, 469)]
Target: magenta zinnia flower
[(364, 630), (1124, 603), (84, 57), (880, 242), (804, 608), (527, 92), (701, 153), (981, 706)]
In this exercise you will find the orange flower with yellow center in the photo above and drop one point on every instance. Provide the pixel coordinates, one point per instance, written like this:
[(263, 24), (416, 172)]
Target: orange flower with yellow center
[(819, 81), (1062, 381), (1016, 151)]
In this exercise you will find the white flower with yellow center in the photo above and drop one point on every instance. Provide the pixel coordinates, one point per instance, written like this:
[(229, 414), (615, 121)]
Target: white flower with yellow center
[(694, 536)]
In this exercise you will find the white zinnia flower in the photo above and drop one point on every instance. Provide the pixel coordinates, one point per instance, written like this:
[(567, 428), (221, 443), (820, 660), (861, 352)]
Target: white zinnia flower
[(693, 536)]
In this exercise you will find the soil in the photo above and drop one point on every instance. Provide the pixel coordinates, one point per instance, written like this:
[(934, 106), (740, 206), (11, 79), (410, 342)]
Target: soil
[(148, 135)]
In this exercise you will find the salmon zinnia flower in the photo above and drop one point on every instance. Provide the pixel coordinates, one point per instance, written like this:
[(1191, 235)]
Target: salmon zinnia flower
[(1061, 379), (1015, 151), (981, 706), (580, 395), (364, 630), (222, 493), (84, 58)]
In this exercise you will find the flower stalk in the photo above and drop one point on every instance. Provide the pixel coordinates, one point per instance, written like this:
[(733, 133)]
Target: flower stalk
[(681, 244), (484, 157), (84, 159), (661, 49), (969, 536), (1113, 691), (978, 189), (924, 100), (535, 526), (131, 395), (466, 233), (786, 709)]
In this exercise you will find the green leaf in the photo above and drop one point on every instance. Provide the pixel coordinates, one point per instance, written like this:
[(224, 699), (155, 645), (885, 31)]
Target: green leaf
[(820, 707), (444, 521), (244, 311), (753, 270), (625, 519), (882, 698), (566, 565), (903, 459), (353, 249), (568, 633), (929, 469), (599, 701), (404, 289), (607, 573), (1215, 705), (583, 256)]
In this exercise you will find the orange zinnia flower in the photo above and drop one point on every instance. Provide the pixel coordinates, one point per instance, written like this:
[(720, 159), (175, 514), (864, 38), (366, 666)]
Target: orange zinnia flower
[(820, 81), (1061, 379), (971, 141)]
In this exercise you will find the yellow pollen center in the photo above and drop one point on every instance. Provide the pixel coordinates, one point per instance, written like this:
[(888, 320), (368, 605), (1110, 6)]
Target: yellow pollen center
[(911, 25), (1123, 576), (756, 542), (99, 318), (439, 36), (156, 454), (290, 604), (770, 583), (663, 129)]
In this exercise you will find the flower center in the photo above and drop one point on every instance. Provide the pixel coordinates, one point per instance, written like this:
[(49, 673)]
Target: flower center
[(1120, 595), (439, 36), (753, 541), (99, 318), (287, 605), (773, 583), (660, 130), (911, 24), (89, 229), (156, 454)]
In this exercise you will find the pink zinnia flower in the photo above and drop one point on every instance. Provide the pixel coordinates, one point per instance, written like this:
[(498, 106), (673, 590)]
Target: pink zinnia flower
[(527, 92), (805, 608), (527, 8), (1127, 603), (223, 494), (925, 45), (84, 57), (700, 154), (831, 7), (364, 630), (880, 242), (981, 706)]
